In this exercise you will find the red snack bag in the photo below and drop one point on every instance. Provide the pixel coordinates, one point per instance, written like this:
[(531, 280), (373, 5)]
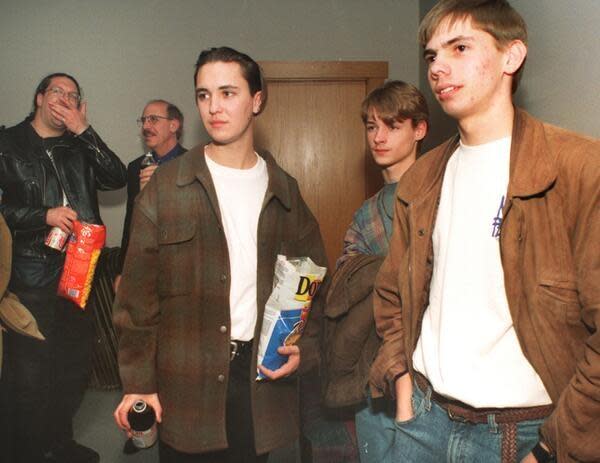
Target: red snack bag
[(83, 250)]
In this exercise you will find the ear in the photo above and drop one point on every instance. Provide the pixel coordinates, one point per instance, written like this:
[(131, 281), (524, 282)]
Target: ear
[(256, 102), (516, 52), (173, 125), (38, 100), (420, 130)]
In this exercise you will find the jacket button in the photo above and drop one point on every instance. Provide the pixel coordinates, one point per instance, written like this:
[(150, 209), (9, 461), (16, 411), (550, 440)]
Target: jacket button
[(223, 278), (221, 378), (421, 232), (223, 329)]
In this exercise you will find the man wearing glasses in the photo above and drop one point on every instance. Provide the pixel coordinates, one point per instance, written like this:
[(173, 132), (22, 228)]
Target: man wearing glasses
[(162, 126), (51, 166)]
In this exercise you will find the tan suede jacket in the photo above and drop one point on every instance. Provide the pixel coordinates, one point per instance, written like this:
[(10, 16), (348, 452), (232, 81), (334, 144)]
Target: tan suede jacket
[(550, 252)]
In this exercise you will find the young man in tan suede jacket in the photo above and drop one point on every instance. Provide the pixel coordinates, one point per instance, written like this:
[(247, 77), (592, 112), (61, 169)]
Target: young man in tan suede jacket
[(488, 302)]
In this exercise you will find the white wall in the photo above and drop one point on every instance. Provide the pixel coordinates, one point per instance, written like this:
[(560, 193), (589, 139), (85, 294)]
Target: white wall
[(126, 52)]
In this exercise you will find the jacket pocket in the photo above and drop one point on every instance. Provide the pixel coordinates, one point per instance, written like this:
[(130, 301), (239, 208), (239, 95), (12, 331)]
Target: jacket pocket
[(32, 192), (176, 260), (561, 298)]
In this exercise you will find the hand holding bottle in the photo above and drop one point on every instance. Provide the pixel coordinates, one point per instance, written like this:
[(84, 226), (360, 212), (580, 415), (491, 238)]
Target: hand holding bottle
[(122, 410), (147, 168)]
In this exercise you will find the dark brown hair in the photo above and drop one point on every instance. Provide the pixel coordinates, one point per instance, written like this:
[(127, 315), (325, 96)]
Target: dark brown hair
[(251, 71)]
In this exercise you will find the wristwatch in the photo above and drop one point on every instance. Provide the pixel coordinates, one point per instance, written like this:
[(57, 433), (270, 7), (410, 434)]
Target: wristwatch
[(541, 454)]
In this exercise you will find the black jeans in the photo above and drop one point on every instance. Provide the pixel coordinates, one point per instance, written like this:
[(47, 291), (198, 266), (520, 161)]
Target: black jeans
[(240, 431), (43, 382)]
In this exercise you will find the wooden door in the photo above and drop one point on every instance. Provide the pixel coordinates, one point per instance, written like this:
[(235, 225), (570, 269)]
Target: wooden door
[(312, 126)]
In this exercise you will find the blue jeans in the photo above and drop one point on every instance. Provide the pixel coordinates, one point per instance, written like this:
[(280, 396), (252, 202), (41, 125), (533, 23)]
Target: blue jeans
[(375, 430), (431, 436)]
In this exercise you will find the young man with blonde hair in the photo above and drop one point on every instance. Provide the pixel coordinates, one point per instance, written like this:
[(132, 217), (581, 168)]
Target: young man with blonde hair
[(488, 302), (396, 121)]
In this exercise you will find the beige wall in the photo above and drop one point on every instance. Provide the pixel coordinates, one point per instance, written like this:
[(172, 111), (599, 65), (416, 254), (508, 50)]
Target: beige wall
[(561, 83), (126, 52), (561, 79)]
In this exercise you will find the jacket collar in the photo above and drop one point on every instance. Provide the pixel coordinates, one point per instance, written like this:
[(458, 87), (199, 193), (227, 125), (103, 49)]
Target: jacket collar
[(193, 167), (532, 164)]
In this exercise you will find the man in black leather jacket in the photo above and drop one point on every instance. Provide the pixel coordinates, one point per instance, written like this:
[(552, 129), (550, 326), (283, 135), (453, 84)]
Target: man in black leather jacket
[(51, 166)]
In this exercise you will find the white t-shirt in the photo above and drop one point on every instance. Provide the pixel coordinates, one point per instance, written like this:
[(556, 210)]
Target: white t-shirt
[(468, 348), (241, 193)]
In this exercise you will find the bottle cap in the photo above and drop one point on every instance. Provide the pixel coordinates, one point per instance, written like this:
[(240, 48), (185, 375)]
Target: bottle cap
[(140, 406)]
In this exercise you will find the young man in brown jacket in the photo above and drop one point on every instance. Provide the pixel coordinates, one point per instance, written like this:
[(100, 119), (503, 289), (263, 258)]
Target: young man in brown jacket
[(206, 232), (489, 302)]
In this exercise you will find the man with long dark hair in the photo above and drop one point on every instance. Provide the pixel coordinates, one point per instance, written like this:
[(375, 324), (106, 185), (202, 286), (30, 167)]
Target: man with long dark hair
[(51, 165)]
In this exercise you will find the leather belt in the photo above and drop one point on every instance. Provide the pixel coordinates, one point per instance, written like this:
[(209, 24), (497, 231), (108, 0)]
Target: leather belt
[(459, 411), (239, 348)]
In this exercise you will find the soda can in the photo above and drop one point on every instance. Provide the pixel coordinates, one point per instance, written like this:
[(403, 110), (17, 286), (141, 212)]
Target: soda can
[(57, 239)]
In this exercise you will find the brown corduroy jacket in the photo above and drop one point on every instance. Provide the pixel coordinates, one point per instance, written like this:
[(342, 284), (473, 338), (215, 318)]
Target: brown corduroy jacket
[(172, 309), (550, 250)]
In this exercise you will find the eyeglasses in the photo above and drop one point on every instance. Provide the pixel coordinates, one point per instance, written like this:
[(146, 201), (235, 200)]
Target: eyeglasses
[(152, 119), (73, 97)]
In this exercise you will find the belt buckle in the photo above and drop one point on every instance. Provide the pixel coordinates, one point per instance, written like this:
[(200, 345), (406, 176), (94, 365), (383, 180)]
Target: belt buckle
[(234, 346), (454, 417)]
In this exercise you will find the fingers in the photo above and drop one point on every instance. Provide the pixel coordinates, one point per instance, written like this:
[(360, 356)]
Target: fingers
[(120, 413), (145, 175), (289, 350), (285, 370), (56, 113), (69, 213), (155, 403), (73, 118), (117, 283), (265, 371), (67, 217), (60, 111), (147, 172), (288, 367), (62, 217)]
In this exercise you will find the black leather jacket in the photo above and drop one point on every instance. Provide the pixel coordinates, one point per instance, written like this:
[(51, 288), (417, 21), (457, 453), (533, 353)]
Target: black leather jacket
[(31, 185)]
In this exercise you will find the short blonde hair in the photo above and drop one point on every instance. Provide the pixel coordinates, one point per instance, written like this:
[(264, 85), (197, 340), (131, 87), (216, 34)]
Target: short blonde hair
[(396, 101), (496, 17)]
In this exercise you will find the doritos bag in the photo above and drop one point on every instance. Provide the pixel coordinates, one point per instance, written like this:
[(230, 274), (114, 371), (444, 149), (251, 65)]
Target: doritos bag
[(295, 283), (83, 250)]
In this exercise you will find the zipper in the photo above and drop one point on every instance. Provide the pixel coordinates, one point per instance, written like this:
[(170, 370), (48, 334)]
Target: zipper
[(51, 156)]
